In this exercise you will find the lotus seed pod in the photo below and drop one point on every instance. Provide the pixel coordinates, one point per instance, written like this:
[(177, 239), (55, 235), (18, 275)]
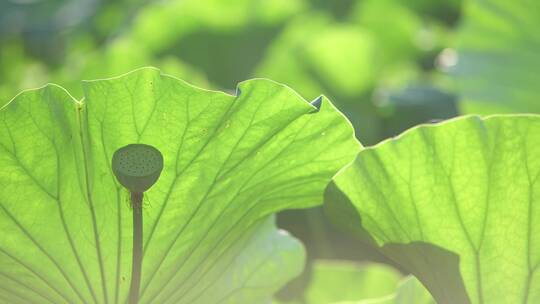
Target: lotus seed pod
[(137, 166)]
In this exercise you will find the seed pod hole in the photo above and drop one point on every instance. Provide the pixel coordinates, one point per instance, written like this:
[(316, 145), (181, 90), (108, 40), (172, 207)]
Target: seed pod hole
[(137, 166)]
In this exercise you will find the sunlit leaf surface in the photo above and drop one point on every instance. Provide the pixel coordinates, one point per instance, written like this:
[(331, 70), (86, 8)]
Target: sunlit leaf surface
[(230, 162), (456, 204)]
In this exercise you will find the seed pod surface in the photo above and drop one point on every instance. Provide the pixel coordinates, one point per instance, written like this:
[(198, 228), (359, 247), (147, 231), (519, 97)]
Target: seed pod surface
[(137, 166)]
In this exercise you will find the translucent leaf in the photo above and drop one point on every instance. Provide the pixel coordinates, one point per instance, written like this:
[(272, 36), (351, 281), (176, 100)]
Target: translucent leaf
[(230, 162), (454, 203)]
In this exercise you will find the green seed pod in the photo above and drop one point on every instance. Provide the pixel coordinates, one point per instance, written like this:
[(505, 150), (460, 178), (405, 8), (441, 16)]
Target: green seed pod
[(137, 166)]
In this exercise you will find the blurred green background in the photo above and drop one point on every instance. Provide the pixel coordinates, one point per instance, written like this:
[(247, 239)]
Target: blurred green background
[(387, 64)]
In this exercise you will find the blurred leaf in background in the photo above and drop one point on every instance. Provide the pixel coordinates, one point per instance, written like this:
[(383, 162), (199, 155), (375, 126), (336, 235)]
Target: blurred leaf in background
[(339, 281), (336, 282), (341, 49), (416, 102), (499, 46)]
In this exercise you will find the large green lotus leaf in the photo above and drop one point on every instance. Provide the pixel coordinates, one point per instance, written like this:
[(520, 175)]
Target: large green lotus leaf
[(498, 61), (455, 203), (255, 268), (230, 162)]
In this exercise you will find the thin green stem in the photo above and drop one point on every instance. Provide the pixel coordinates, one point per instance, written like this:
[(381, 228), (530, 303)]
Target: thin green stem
[(136, 203)]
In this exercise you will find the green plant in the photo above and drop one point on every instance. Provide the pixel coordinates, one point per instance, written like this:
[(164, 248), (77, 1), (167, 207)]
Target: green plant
[(453, 203), (449, 208), (229, 163)]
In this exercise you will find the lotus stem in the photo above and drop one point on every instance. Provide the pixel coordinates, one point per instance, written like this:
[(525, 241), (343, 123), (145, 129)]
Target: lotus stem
[(136, 265)]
